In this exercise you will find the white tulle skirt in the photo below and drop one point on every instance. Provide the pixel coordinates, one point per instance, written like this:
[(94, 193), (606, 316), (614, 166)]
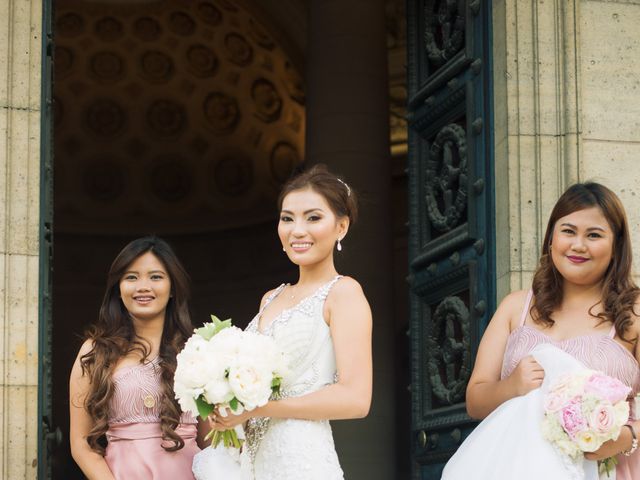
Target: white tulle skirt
[(508, 444)]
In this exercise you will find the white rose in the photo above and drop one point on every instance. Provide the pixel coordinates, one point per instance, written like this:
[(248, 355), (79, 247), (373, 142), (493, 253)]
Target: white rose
[(251, 385), (587, 441)]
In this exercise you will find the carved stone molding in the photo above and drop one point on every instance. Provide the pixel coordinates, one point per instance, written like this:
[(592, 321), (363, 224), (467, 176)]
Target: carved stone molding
[(267, 100), (156, 67), (221, 112), (166, 118), (137, 83), (105, 118), (107, 67), (284, 159)]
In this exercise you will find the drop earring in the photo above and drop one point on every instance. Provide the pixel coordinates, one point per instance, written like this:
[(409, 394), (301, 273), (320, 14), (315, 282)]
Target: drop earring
[(339, 246), (284, 249)]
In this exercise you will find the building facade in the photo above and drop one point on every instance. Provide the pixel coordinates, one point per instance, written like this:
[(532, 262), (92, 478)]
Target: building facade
[(555, 91)]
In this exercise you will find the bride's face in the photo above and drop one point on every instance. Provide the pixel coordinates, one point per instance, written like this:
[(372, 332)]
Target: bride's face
[(308, 228)]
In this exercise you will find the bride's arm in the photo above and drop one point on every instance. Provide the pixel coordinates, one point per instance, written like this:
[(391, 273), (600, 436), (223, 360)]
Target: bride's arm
[(485, 390), (349, 317)]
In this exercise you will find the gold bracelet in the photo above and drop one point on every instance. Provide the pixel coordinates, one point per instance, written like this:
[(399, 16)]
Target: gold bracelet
[(634, 441)]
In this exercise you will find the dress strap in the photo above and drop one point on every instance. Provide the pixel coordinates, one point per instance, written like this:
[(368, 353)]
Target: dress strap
[(271, 297), (326, 288), (612, 332), (525, 310)]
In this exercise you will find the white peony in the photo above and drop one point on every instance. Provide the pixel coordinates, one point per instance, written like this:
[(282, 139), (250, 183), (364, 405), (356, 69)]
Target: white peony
[(251, 384), (227, 366)]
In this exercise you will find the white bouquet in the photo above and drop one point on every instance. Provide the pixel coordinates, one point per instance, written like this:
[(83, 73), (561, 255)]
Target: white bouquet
[(222, 367)]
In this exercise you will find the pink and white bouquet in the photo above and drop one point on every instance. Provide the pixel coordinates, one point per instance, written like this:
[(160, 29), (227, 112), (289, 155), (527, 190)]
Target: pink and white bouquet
[(223, 367), (583, 410)]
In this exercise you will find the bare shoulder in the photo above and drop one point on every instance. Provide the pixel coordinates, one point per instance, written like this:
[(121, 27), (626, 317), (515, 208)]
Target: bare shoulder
[(515, 300), (86, 347), (266, 296), (347, 289), (510, 309)]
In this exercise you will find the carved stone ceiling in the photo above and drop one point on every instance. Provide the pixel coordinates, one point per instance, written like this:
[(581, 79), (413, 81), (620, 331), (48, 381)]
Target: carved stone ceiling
[(170, 116)]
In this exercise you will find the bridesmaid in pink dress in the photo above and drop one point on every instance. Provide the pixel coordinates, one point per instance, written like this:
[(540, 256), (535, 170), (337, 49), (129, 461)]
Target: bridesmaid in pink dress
[(584, 301), (121, 385)]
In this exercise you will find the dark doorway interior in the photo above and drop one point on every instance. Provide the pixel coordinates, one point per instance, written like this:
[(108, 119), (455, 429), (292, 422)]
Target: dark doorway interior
[(183, 119), (175, 118)]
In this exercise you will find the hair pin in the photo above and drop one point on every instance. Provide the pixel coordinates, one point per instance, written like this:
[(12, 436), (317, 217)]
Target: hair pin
[(346, 186)]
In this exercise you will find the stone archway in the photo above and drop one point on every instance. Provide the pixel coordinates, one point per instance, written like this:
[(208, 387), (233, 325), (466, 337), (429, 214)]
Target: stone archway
[(175, 118)]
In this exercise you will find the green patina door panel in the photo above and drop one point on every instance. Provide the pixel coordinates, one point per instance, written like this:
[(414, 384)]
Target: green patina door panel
[(48, 435), (450, 216)]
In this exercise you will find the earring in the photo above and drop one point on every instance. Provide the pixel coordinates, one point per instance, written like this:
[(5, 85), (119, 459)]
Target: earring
[(339, 245), (284, 249)]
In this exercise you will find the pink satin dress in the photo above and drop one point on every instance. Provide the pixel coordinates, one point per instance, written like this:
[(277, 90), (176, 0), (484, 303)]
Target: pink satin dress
[(134, 451), (597, 351)]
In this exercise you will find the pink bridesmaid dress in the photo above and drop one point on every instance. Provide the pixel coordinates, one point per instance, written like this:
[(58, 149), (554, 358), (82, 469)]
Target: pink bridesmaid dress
[(134, 451), (597, 351)]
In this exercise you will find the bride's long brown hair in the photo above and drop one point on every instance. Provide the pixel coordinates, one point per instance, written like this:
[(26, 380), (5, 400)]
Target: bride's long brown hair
[(113, 336), (619, 292)]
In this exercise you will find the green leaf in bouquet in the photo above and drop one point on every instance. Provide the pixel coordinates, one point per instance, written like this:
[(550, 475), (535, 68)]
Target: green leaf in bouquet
[(276, 382), (209, 330), (234, 404), (204, 408)]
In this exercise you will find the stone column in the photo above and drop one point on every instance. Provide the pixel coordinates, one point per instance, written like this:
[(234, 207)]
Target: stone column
[(20, 41), (566, 110), (537, 125), (347, 129)]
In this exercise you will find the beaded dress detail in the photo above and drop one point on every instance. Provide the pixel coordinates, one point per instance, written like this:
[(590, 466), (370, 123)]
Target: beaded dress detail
[(292, 449)]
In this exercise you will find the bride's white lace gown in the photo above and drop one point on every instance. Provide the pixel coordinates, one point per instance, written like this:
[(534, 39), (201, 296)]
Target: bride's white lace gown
[(291, 449)]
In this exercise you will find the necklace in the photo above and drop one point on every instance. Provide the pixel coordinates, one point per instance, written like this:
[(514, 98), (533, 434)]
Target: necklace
[(292, 293)]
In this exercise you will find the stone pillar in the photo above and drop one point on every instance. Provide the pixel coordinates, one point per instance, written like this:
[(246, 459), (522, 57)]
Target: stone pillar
[(20, 42), (537, 145), (566, 110), (347, 129)]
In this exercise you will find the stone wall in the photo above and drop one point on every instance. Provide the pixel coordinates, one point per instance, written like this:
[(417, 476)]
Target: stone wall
[(20, 73), (566, 109)]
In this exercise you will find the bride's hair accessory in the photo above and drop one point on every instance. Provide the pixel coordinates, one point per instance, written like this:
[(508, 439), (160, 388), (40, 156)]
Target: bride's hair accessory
[(346, 186)]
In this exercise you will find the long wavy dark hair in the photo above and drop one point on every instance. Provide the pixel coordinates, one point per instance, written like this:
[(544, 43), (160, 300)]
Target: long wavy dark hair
[(113, 336), (619, 292)]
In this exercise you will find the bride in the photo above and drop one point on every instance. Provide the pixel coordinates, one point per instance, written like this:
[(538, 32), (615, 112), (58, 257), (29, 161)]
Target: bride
[(323, 323)]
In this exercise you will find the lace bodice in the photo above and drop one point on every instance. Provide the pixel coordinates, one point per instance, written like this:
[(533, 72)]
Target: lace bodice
[(292, 449), (305, 338)]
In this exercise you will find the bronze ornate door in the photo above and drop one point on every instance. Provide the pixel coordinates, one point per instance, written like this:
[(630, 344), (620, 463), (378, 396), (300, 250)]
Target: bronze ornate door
[(451, 217)]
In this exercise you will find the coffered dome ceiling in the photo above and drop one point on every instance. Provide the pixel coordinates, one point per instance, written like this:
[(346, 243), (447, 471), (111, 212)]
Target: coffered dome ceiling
[(170, 116)]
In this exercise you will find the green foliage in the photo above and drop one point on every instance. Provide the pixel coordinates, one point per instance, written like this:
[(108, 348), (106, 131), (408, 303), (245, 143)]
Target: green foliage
[(204, 408), (209, 330)]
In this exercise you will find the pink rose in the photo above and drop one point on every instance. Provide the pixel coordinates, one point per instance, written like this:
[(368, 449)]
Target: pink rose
[(606, 388), (602, 418), (553, 402), (571, 417)]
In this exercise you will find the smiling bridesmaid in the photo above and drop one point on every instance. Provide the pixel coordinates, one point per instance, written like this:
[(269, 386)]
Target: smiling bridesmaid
[(121, 385)]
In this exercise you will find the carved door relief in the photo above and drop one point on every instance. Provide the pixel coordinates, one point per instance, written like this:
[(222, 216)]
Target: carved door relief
[(451, 221)]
